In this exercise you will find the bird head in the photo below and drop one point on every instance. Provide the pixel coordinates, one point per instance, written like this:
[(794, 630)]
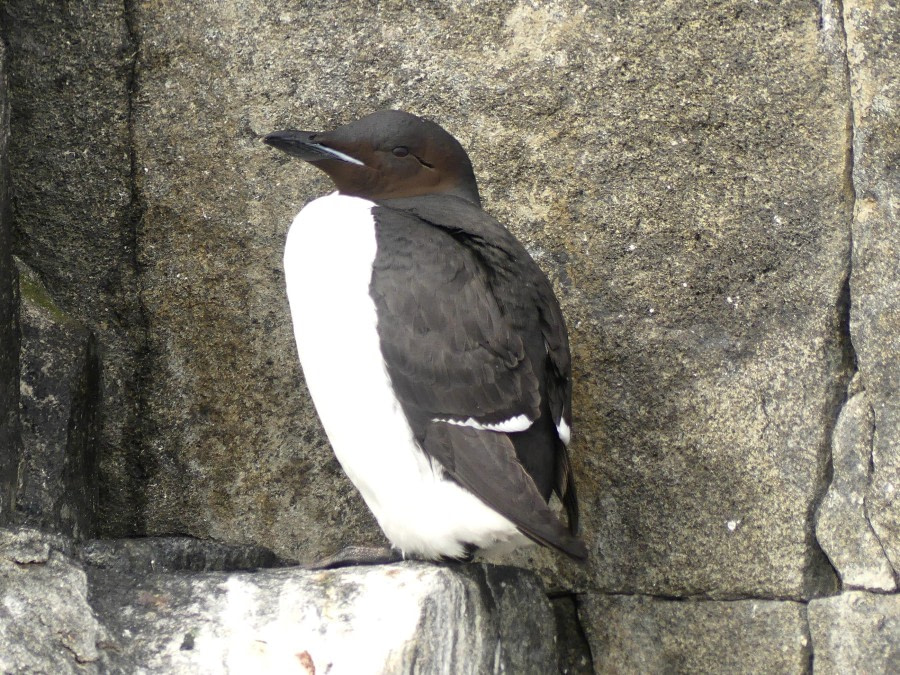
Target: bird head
[(385, 155)]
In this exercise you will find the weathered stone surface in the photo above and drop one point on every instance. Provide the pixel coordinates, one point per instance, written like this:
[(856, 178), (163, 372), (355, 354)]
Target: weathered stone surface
[(58, 405), (855, 632), (46, 623), (239, 452), (573, 652), (639, 634), (146, 607), (873, 51), (9, 331), (842, 526), (685, 187), (705, 270), (70, 66), (403, 618), (172, 554)]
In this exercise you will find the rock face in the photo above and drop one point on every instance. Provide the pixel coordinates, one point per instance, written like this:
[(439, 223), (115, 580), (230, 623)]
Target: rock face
[(873, 53), (842, 525), (58, 403), (695, 218), (9, 332), (856, 633), (634, 634), (76, 219), (135, 615), (712, 188), (46, 623)]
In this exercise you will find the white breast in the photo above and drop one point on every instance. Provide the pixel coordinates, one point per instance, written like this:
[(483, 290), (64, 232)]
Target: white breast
[(328, 262)]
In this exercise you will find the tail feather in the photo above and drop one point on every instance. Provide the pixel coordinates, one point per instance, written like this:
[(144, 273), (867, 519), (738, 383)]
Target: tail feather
[(485, 463)]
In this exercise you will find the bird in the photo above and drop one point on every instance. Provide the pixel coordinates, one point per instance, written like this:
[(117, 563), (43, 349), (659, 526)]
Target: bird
[(432, 345)]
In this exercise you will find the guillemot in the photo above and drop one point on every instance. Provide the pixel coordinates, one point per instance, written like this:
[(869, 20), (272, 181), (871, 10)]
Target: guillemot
[(432, 344)]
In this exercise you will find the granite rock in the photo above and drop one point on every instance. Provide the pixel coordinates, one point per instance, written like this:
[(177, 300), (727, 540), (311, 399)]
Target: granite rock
[(640, 634), (410, 617), (873, 53), (9, 330), (688, 174), (59, 400), (855, 632), (155, 606), (148, 555), (46, 622), (76, 219), (692, 211), (842, 525)]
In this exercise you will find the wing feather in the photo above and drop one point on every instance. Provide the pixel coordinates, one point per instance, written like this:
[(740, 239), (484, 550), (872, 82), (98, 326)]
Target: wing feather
[(475, 457), (470, 329)]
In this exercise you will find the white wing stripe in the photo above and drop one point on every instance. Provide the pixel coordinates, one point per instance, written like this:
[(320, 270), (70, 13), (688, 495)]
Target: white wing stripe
[(565, 433), (512, 425)]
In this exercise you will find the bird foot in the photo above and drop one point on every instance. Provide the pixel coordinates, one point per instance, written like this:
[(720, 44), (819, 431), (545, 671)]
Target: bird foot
[(353, 556)]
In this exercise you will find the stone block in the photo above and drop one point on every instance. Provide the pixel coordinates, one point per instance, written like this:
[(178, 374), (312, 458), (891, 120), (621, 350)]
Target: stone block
[(640, 634), (842, 524), (70, 71), (59, 406), (9, 330), (131, 606), (873, 54), (855, 632), (404, 618), (684, 187), (46, 622)]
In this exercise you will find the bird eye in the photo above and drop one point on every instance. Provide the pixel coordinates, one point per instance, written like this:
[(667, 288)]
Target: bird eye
[(401, 151)]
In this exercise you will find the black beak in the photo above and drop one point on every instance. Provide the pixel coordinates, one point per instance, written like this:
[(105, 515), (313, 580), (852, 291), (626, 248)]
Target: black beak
[(302, 144)]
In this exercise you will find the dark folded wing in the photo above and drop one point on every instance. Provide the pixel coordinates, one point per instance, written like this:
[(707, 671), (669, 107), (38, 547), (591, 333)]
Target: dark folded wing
[(471, 333), (474, 457), (450, 348), (516, 282)]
